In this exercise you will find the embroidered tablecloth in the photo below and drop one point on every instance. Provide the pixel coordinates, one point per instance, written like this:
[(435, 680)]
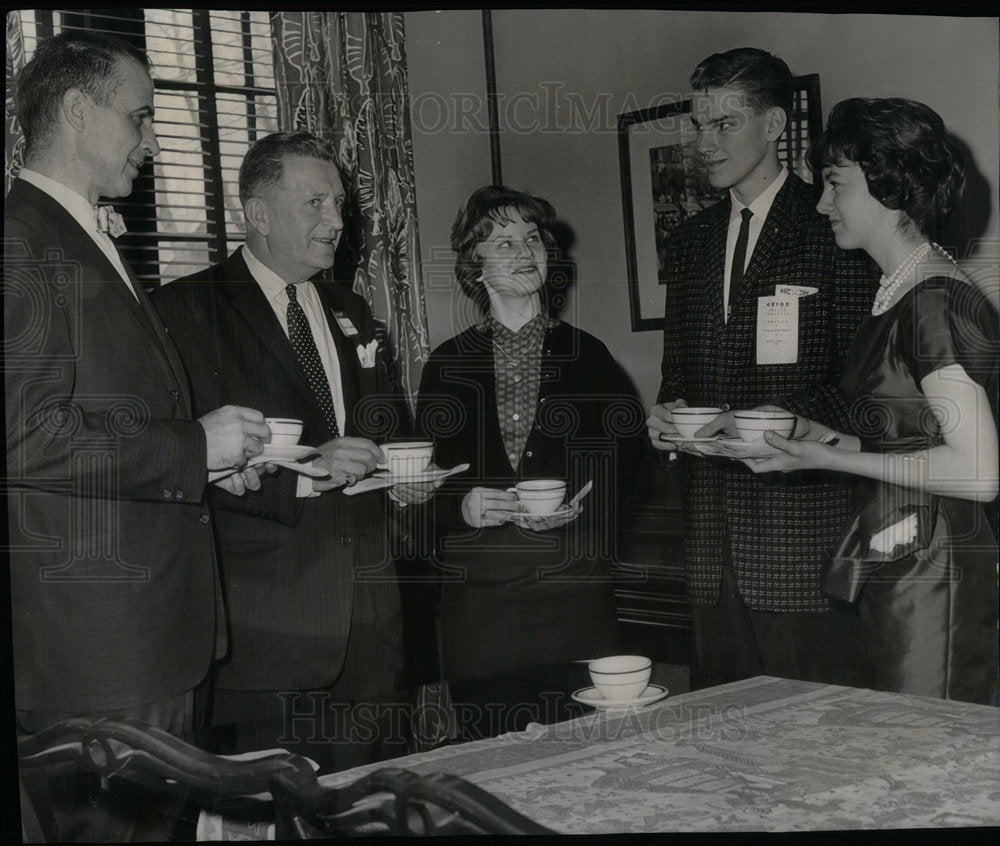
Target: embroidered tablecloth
[(761, 754)]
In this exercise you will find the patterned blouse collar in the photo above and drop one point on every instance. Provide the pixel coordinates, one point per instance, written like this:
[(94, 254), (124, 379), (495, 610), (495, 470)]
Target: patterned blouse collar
[(533, 329)]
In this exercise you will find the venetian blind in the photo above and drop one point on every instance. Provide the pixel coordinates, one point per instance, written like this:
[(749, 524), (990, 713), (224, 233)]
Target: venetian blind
[(213, 76)]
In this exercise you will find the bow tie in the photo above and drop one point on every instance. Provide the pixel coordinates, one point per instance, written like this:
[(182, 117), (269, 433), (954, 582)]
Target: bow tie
[(109, 221)]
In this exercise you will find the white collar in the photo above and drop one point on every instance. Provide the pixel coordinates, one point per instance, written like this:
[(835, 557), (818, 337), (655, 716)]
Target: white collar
[(270, 283), (76, 204), (762, 204)]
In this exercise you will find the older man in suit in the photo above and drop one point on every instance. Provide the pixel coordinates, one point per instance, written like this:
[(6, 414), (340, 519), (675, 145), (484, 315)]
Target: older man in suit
[(315, 639), (113, 581), (754, 545)]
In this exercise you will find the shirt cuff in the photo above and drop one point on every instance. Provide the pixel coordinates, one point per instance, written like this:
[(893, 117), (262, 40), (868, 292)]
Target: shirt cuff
[(304, 488)]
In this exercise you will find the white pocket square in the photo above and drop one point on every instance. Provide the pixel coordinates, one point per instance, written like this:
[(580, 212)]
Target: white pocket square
[(366, 353)]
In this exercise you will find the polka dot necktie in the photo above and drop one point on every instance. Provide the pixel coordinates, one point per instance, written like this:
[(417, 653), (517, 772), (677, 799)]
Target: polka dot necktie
[(304, 345)]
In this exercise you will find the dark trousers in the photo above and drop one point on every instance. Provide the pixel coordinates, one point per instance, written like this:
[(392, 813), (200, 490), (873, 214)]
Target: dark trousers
[(734, 642), (62, 803), (362, 717)]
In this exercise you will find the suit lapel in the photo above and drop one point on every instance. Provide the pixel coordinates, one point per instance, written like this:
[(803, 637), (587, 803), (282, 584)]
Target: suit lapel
[(156, 325), (351, 382), (778, 229), (715, 264), (85, 250), (249, 301), (141, 300)]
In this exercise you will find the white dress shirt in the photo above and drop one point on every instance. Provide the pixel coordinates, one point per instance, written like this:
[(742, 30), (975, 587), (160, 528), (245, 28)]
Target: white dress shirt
[(760, 207), (273, 287), (82, 212)]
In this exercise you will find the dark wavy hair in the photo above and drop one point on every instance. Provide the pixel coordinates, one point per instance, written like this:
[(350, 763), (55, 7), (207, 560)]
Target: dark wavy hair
[(83, 60), (263, 164), (486, 207), (764, 79), (909, 161)]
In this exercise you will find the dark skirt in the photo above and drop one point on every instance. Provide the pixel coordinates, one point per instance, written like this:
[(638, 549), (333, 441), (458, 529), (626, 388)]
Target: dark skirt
[(927, 605), (523, 599)]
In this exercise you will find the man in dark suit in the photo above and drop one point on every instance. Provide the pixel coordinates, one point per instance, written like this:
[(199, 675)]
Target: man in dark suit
[(113, 581), (754, 545), (315, 638)]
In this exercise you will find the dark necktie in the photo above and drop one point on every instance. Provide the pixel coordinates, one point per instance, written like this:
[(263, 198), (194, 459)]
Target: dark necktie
[(304, 345), (739, 258)]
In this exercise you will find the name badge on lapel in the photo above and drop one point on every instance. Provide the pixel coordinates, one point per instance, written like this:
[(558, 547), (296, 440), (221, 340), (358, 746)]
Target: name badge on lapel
[(345, 324), (796, 290), (777, 329)]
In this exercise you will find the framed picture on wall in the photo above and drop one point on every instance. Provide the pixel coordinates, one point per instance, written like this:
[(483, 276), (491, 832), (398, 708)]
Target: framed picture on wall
[(664, 183)]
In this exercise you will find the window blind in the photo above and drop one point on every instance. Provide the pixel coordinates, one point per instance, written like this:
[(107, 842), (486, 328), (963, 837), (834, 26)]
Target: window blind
[(213, 78)]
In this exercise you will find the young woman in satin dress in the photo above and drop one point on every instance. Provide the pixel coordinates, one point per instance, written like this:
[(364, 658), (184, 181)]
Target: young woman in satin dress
[(919, 558)]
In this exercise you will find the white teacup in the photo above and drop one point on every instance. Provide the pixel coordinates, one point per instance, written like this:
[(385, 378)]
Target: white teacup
[(752, 425), (540, 496), (687, 421), (620, 677), (408, 458), (285, 431)]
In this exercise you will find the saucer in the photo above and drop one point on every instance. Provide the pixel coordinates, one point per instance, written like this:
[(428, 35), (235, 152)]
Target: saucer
[(284, 453), (590, 696), (403, 478), (526, 518), (307, 469), (679, 440), (738, 448), (291, 457)]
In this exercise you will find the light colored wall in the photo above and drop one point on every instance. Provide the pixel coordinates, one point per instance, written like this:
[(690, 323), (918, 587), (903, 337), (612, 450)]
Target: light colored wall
[(451, 149), (554, 67)]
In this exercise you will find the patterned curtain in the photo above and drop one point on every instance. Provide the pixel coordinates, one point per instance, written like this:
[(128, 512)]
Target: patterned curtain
[(342, 76), (13, 141)]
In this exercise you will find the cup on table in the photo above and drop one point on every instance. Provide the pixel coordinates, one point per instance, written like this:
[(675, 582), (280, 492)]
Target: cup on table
[(620, 677), (687, 421), (408, 458), (285, 431), (540, 496), (752, 425)]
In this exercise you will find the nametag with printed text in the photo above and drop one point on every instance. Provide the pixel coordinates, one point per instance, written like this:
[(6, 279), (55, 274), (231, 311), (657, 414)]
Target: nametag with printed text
[(778, 329), (345, 324)]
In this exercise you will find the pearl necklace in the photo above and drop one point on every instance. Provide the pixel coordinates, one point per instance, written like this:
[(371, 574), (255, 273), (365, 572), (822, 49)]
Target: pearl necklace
[(887, 287)]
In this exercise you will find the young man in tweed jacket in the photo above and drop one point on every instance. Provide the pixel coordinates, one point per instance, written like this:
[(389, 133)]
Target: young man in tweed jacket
[(754, 545)]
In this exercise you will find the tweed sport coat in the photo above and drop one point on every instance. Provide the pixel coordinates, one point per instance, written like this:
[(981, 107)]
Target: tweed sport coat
[(778, 526), (113, 579), (289, 564)]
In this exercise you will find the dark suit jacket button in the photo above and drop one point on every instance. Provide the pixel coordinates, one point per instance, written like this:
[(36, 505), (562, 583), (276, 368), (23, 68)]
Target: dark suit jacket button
[(167, 494), (346, 539), (204, 519), (178, 494), (176, 395)]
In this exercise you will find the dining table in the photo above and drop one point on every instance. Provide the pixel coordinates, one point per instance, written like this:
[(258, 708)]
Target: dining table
[(762, 754)]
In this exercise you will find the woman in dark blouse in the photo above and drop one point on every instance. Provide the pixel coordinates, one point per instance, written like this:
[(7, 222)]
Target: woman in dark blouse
[(920, 556), (520, 396)]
